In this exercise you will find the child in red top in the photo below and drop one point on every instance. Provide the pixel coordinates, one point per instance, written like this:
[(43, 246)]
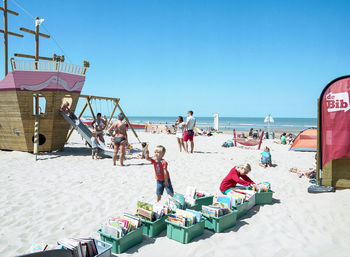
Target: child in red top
[(234, 177), (161, 172)]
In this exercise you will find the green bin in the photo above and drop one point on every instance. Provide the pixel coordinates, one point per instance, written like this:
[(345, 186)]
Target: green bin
[(264, 197), (196, 207), (184, 234), (241, 209), (153, 228), (120, 245), (206, 200), (219, 224)]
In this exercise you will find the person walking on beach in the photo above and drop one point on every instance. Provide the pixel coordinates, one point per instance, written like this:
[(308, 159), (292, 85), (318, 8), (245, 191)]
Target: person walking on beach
[(180, 126), (120, 138), (189, 133), (161, 172)]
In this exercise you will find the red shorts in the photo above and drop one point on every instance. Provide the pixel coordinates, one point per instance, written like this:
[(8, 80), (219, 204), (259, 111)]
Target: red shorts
[(187, 137)]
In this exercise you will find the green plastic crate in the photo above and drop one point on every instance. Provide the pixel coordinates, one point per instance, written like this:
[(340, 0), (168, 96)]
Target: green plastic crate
[(241, 209), (264, 197), (219, 224), (196, 207), (184, 234), (120, 245), (153, 228), (206, 200)]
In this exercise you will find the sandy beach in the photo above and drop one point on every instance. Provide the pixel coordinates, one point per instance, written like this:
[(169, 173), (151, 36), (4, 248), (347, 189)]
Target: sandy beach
[(66, 194)]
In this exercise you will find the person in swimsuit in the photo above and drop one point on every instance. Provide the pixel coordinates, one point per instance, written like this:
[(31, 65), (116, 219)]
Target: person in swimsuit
[(120, 138), (180, 127), (99, 125)]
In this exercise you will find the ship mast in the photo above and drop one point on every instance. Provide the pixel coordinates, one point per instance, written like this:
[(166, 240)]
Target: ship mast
[(6, 33), (37, 34)]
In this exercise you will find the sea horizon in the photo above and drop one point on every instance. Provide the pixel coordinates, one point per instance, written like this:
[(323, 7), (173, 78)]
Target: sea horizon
[(229, 123)]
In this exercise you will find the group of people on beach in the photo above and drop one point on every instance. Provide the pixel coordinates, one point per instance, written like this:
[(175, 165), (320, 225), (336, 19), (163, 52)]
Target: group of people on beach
[(185, 131)]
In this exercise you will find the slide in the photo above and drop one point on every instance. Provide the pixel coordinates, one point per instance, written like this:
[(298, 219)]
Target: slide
[(85, 132)]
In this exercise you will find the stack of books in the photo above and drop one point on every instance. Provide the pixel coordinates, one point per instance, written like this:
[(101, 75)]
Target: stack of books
[(263, 187), (216, 210), (192, 194), (81, 247), (151, 212), (144, 210), (121, 225), (185, 218), (232, 199), (176, 202)]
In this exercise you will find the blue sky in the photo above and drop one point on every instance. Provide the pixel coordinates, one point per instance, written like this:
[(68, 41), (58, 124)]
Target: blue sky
[(164, 57)]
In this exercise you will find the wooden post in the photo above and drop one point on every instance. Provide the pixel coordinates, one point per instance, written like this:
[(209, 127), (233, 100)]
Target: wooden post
[(88, 103), (127, 121), (36, 42), (82, 111), (111, 117), (5, 37), (6, 33), (37, 34), (37, 39), (36, 135), (37, 104)]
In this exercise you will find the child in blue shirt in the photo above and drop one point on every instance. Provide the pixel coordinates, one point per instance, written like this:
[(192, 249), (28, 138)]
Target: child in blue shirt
[(266, 158)]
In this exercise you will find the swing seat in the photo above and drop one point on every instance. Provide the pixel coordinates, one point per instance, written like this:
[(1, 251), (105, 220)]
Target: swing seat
[(247, 142)]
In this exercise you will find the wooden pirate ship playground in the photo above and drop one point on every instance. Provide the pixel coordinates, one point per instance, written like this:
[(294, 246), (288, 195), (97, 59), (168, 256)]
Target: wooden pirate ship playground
[(32, 94)]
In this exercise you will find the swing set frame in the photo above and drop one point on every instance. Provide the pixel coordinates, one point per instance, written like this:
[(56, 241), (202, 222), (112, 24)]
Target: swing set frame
[(88, 99)]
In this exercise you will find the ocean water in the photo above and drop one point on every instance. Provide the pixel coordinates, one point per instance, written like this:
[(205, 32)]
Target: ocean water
[(240, 123)]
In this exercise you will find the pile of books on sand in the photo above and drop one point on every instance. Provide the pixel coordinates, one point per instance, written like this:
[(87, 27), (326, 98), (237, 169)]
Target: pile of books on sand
[(263, 187), (81, 247), (185, 218), (121, 225), (216, 209), (151, 212)]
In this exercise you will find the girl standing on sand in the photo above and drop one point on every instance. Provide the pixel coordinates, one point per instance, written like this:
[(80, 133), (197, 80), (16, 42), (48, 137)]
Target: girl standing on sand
[(180, 127)]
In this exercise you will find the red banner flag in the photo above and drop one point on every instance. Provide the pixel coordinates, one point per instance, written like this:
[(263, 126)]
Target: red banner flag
[(335, 120)]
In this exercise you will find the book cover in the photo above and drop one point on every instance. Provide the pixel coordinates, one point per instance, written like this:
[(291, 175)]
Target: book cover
[(225, 200), (197, 214), (180, 198)]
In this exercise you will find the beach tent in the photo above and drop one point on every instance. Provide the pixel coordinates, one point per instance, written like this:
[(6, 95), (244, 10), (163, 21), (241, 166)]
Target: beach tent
[(333, 149), (306, 141)]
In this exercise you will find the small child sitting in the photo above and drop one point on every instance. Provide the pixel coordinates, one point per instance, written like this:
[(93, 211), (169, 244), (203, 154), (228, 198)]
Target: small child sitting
[(266, 158), (283, 139), (94, 144), (161, 172), (289, 139)]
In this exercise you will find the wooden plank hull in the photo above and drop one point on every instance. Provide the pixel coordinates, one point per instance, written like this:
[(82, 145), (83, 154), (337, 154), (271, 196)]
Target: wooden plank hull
[(17, 115)]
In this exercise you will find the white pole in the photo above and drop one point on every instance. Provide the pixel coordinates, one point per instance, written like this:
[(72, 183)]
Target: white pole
[(216, 121)]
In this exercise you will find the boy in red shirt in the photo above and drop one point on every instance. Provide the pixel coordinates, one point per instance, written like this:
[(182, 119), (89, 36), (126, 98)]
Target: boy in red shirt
[(161, 172), (234, 177)]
